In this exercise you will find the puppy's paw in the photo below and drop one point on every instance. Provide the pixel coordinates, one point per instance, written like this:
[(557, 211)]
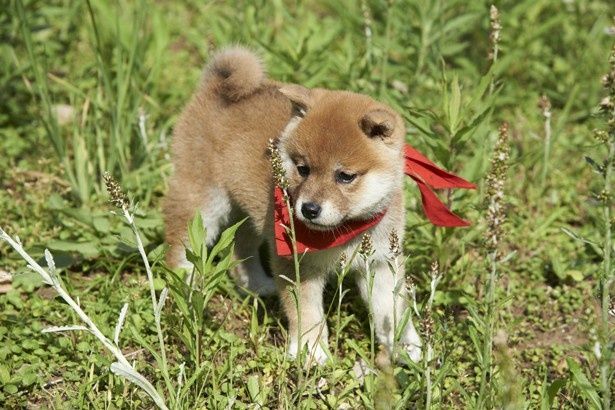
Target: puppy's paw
[(414, 352), (316, 354), (411, 343)]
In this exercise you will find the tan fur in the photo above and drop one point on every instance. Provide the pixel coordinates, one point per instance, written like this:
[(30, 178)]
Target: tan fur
[(222, 169)]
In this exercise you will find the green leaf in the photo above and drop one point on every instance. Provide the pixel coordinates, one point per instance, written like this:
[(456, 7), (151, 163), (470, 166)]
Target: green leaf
[(5, 375), (420, 124), (553, 389), (195, 376), (157, 253), (467, 131), (254, 388), (254, 326), (575, 275), (454, 106), (477, 342), (597, 168), (578, 237), (101, 224), (197, 234), (28, 281), (29, 379), (88, 249), (484, 83), (10, 389), (226, 239), (82, 215), (583, 385), (159, 284)]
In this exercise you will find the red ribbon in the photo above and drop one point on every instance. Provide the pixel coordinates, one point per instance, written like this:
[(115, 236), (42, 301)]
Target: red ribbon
[(424, 172)]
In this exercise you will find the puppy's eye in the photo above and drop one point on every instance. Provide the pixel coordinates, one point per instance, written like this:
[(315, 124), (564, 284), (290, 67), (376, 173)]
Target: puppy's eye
[(344, 177), (303, 170)]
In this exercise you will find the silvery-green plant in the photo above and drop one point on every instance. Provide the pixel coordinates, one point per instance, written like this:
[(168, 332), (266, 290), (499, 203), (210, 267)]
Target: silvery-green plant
[(544, 104), (342, 271), (122, 366), (427, 327), (120, 200), (366, 250)]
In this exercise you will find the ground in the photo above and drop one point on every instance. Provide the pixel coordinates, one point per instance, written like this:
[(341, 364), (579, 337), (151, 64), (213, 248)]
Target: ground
[(96, 86)]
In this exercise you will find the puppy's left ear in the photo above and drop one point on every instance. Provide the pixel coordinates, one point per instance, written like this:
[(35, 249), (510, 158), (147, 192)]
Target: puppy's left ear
[(300, 97), (378, 124)]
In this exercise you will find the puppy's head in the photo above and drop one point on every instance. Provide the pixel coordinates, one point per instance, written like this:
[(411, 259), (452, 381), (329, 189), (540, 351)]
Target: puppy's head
[(342, 153)]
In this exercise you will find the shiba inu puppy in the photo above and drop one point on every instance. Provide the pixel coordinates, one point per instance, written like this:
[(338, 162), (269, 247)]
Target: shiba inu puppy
[(342, 154)]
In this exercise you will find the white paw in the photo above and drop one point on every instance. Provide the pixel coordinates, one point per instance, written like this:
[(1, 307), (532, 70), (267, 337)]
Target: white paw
[(319, 354), (412, 343), (414, 352), (316, 353)]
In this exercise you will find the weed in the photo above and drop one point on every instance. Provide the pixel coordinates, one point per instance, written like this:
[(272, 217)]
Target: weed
[(496, 218)]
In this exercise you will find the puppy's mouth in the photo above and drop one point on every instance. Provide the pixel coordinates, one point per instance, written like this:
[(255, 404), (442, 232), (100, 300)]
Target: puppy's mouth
[(320, 227)]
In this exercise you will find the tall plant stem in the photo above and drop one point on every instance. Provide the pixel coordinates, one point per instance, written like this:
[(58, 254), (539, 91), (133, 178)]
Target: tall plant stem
[(428, 330), (370, 307), (605, 284), (150, 279), (547, 148), (488, 329), (297, 285), (495, 60), (385, 49), (496, 217)]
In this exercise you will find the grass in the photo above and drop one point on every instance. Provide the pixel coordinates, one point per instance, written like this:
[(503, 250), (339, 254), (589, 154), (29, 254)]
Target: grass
[(96, 86)]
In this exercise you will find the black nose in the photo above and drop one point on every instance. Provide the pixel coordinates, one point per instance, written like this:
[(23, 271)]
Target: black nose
[(310, 210)]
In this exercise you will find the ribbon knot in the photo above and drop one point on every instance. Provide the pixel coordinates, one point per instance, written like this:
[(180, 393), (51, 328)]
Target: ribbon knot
[(425, 173)]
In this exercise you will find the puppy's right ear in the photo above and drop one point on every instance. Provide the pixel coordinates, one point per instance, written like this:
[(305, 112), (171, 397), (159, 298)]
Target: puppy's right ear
[(300, 97), (378, 124)]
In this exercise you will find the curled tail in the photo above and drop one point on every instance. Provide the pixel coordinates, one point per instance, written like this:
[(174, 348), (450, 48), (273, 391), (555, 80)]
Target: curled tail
[(234, 73)]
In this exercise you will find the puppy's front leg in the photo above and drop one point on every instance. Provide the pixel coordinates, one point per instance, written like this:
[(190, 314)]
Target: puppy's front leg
[(388, 298), (303, 305)]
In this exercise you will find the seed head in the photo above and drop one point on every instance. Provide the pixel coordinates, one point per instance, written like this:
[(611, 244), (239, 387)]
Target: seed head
[(601, 135), (367, 20), (366, 249), (118, 198), (427, 326), (410, 285), (545, 106), (342, 261), (495, 189), (394, 246), (604, 196), (494, 34), (279, 174), (607, 105), (434, 272)]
